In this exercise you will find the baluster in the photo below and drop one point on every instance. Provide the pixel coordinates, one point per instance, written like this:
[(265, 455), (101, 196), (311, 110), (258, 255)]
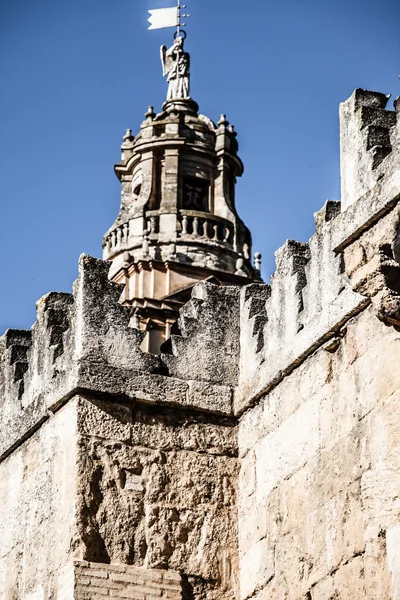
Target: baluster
[(108, 243), (205, 228), (152, 224), (184, 225), (113, 240), (257, 262), (227, 234), (196, 226), (145, 244), (119, 235), (215, 238), (125, 233)]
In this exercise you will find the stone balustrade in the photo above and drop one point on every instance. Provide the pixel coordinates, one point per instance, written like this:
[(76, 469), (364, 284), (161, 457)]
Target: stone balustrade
[(117, 238), (192, 225), (206, 226)]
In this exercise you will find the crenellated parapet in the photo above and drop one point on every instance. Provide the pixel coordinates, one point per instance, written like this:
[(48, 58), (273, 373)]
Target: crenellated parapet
[(307, 303), (352, 259), (86, 342), (369, 141), (204, 344), (79, 341)]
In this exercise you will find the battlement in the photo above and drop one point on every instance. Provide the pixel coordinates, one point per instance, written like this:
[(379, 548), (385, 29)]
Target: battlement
[(83, 343), (369, 148), (315, 291)]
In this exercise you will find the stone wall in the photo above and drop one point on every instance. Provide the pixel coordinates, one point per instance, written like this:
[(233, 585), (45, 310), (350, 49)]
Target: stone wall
[(144, 465), (157, 489), (111, 482), (318, 389), (319, 486), (257, 456), (37, 517)]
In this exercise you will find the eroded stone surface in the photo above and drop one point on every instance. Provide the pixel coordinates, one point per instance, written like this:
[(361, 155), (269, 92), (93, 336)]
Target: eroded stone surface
[(318, 484)]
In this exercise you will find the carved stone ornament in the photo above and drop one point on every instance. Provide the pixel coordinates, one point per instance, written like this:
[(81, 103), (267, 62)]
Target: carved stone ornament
[(373, 266), (176, 67)]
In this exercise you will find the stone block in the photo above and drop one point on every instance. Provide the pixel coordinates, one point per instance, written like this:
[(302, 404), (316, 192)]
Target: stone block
[(256, 568), (276, 459), (393, 557), (377, 374)]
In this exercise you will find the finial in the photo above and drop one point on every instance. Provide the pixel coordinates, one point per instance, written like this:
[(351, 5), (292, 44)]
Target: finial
[(257, 262), (127, 145), (150, 114), (223, 121), (128, 137)]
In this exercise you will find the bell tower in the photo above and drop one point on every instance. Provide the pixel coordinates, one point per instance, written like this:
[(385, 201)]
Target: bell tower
[(178, 222)]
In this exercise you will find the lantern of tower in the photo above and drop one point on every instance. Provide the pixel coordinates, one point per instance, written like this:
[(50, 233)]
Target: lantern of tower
[(178, 222)]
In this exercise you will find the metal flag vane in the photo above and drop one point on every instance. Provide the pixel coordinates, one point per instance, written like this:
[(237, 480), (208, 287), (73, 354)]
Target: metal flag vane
[(161, 18), (175, 61)]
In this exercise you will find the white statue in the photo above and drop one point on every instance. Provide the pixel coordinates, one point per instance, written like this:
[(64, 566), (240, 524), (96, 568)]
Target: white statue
[(176, 66)]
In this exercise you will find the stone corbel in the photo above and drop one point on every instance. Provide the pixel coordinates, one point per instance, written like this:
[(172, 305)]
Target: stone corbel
[(372, 263)]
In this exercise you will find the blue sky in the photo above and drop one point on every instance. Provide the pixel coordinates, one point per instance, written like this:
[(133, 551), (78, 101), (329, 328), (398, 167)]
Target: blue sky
[(76, 73)]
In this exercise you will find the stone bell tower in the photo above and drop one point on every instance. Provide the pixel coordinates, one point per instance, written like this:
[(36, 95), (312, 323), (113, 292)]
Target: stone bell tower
[(178, 222)]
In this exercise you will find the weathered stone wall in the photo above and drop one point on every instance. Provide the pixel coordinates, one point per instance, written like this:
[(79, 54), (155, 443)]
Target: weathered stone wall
[(369, 143), (37, 516), (157, 488), (319, 485), (152, 461), (111, 482)]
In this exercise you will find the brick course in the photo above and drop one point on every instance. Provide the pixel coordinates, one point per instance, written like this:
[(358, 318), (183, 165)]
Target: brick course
[(94, 581)]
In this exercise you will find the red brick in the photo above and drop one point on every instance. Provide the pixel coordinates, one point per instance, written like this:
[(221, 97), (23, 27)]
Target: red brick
[(96, 573), (83, 581), (96, 566), (152, 575)]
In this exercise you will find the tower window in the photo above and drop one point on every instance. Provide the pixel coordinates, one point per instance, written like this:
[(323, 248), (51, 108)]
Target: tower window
[(136, 190), (195, 194)]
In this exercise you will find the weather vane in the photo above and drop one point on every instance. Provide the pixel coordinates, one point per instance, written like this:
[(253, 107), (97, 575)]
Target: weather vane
[(175, 61)]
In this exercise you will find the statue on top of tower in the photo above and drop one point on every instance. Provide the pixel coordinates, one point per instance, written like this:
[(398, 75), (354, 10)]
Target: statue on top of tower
[(176, 66)]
